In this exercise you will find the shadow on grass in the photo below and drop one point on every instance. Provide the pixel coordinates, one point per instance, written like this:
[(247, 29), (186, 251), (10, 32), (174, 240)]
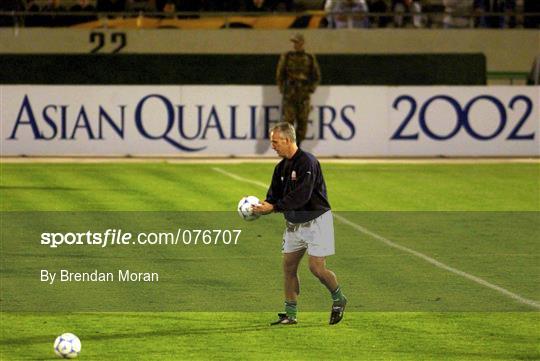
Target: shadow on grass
[(161, 333), (43, 188), (62, 189)]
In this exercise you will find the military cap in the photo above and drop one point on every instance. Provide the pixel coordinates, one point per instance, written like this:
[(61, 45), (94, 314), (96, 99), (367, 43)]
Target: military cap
[(297, 38)]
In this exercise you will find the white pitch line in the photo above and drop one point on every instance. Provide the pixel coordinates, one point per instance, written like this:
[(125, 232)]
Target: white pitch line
[(238, 178), (438, 264), (392, 244)]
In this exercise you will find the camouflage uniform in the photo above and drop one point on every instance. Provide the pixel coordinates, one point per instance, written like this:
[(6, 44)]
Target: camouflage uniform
[(297, 76)]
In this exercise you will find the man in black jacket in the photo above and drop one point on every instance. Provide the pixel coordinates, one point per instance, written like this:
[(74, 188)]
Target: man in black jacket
[(299, 191)]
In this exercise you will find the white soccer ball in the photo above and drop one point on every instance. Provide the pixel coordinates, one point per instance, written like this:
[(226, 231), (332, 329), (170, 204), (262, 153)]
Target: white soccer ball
[(67, 345), (245, 208)]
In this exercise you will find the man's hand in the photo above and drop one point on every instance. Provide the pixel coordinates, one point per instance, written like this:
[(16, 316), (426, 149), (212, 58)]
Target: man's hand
[(263, 208)]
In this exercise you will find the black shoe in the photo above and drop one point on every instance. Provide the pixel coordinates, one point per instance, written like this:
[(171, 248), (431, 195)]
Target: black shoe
[(337, 311), (285, 320)]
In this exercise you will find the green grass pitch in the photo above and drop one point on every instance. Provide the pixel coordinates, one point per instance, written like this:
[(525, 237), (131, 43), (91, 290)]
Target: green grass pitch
[(216, 302)]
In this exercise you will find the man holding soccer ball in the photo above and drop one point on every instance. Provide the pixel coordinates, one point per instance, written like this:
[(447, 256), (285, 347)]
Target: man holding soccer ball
[(299, 191)]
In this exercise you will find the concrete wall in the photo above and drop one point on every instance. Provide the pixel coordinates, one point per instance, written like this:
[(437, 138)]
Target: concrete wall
[(506, 50)]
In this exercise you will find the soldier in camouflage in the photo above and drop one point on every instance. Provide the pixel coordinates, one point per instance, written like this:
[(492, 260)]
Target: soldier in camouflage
[(297, 76)]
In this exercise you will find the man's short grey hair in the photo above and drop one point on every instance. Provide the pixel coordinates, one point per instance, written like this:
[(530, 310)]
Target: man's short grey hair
[(286, 130)]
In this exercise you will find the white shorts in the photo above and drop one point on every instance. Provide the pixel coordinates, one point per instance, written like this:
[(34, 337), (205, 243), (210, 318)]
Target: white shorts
[(317, 236)]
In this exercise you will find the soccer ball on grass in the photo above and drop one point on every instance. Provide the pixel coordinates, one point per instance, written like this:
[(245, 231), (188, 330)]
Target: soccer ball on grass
[(67, 345)]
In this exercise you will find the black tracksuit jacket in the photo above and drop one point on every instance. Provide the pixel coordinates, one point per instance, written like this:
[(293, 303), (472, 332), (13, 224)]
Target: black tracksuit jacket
[(298, 189)]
